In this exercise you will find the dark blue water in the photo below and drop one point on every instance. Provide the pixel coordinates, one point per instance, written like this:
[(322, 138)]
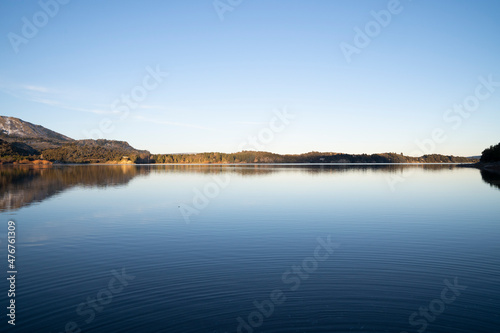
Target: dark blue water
[(252, 249)]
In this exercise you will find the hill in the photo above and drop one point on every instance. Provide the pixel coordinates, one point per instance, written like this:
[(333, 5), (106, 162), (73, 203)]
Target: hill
[(24, 141), (15, 127), (15, 130), (96, 151)]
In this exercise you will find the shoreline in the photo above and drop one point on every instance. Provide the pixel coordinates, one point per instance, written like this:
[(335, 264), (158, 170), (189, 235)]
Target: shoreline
[(491, 167), (45, 162), (28, 162)]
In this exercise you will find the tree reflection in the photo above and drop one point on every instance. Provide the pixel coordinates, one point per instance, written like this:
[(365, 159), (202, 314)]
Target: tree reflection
[(24, 185), (492, 178)]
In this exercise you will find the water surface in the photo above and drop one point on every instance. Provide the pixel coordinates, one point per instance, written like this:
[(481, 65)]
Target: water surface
[(200, 248)]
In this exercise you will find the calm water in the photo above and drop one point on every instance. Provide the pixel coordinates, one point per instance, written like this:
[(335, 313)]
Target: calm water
[(253, 248)]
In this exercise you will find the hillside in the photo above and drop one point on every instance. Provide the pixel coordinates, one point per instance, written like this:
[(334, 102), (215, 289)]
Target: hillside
[(15, 127), (24, 141), (96, 151), (36, 137), (13, 148)]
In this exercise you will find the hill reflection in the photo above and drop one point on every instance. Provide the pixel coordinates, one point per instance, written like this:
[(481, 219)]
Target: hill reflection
[(24, 185)]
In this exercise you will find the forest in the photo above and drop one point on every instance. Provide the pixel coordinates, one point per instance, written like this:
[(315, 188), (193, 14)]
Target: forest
[(491, 155), (312, 157), (110, 151)]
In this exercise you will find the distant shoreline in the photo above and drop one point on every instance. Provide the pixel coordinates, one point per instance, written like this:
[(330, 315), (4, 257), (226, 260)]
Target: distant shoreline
[(46, 163)]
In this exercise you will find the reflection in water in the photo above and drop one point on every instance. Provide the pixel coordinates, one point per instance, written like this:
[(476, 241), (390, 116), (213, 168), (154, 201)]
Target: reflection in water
[(492, 178), (256, 236), (23, 185), (268, 169)]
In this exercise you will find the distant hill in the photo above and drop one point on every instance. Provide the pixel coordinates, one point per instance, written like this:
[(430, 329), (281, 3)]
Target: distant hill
[(21, 140), (312, 157)]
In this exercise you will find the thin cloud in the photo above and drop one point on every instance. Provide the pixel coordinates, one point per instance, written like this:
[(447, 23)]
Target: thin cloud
[(172, 123), (90, 110), (251, 122), (151, 107), (72, 108), (47, 102), (39, 89), (24, 91), (48, 96)]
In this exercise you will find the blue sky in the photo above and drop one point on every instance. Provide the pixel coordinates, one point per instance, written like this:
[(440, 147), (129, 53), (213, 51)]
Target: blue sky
[(227, 77)]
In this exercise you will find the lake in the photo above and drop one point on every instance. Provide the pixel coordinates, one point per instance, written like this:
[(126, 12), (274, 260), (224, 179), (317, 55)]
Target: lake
[(252, 248)]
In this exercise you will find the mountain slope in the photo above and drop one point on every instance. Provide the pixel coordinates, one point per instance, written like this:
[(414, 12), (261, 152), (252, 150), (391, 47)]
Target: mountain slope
[(15, 148), (15, 127)]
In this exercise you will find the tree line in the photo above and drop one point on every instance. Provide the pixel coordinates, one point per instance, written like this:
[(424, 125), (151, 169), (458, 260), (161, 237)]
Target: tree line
[(491, 155), (106, 151), (312, 157)]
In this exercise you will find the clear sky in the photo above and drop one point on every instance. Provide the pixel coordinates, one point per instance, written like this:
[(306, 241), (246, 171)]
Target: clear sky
[(352, 83)]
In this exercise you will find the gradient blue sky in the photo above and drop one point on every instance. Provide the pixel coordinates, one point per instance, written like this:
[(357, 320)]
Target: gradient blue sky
[(226, 77)]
